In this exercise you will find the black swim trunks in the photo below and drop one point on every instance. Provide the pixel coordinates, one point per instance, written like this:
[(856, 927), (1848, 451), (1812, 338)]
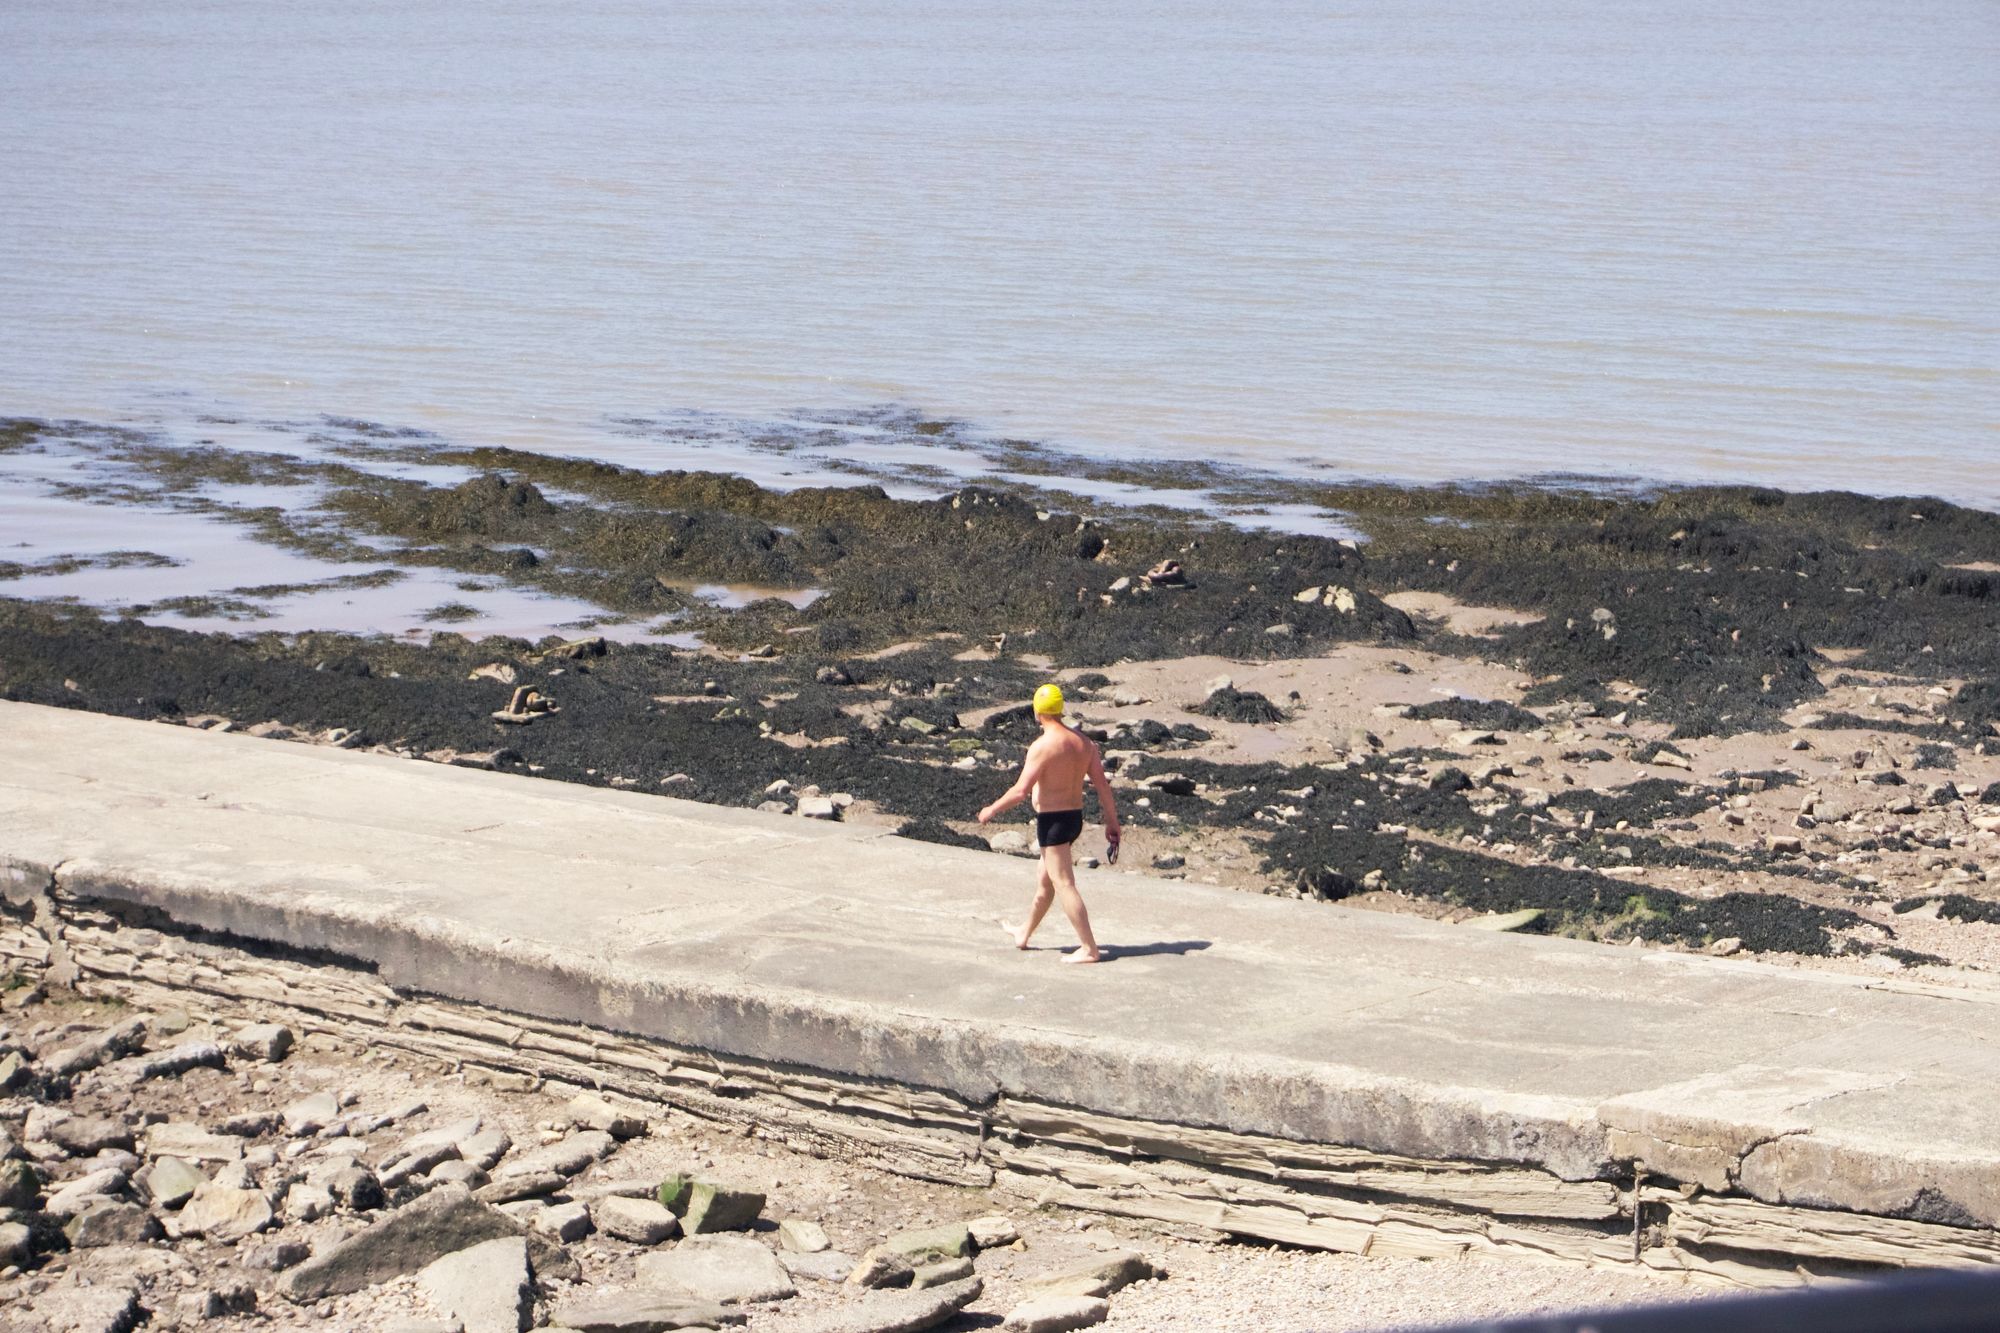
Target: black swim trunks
[(1058, 828)]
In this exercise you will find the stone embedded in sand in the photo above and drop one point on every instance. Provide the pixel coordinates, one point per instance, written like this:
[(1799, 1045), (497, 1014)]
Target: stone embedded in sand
[(191, 1143), (1311, 594), (309, 1115), (727, 1270), (1098, 1277), (1011, 842), (639, 1312), (823, 1266), (1056, 1314), (1169, 861), (487, 1287), (817, 807), (929, 1245), (222, 1213), (910, 1311)]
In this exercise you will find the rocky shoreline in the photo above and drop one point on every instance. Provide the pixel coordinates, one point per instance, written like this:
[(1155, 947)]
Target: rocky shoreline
[(1713, 718)]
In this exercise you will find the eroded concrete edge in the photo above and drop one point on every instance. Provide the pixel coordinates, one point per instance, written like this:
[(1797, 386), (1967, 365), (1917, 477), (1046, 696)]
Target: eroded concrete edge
[(1775, 1160)]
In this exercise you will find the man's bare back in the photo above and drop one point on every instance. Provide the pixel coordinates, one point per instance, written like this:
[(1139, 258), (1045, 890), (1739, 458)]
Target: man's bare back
[(1053, 775), (1060, 759)]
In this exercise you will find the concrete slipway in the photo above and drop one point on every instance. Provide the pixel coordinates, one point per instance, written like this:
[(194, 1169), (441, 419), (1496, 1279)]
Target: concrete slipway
[(858, 953)]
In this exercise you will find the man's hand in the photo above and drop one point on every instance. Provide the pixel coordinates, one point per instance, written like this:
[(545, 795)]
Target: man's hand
[(986, 815)]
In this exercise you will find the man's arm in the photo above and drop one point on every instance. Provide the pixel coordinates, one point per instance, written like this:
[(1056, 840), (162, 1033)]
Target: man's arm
[(1031, 769), (1107, 804)]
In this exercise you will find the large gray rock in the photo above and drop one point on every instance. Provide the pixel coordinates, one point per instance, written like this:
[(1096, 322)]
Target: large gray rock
[(485, 1149), (566, 1158), (512, 1189), (802, 1236), (110, 1308), (992, 1231), (309, 1115), (639, 1312), (86, 1191), (443, 1144), (88, 1135), (881, 1267), (929, 1245), (1098, 1277), (1056, 1314), (711, 1207), (896, 1311), (20, 1185), (442, 1222), (222, 1213), (182, 1058), (111, 1224), (262, 1041), (17, 1244), (593, 1112), (564, 1221), (641, 1221), (97, 1049), (170, 1182), (727, 1270), (488, 1287), (819, 1266), (942, 1273), (192, 1143)]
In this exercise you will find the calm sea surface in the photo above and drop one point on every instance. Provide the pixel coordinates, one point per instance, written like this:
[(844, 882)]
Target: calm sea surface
[(1414, 238)]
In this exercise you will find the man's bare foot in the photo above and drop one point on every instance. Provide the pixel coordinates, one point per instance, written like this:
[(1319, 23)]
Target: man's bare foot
[(1083, 956), (1019, 934)]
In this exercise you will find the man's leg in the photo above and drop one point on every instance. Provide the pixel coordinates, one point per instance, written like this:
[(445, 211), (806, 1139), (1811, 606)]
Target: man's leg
[(1045, 893), (1057, 866)]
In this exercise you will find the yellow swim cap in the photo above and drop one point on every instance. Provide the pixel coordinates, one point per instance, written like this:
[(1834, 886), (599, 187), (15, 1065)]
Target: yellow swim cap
[(1049, 701)]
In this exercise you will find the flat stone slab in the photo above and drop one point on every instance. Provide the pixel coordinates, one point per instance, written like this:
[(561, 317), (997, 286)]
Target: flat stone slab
[(848, 949)]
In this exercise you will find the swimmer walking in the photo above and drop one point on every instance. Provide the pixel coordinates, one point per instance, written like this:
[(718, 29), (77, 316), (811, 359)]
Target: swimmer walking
[(1053, 774)]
